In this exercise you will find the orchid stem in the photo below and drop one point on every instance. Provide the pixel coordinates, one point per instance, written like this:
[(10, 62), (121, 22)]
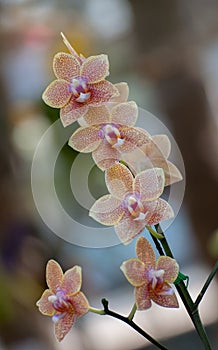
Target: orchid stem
[(131, 324), (132, 312), (185, 296)]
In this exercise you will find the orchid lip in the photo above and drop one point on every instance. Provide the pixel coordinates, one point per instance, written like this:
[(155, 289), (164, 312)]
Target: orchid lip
[(80, 89)]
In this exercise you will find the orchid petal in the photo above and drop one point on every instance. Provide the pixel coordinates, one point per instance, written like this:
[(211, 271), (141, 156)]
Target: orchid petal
[(119, 180), (72, 111), (72, 280), (102, 92), (169, 300), (128, 228), (145, 252), (133, 138), (86, 139), (105, 156), (45, 306), (123, 89), (65, 323), (142, 297), (163, 144), (125, 113), (57, 94), (134, 270), (107, 210), (172, 174), (54, 275), (66, 66), (149, 183), (97, 115), (95, 68), (157, 211), (80, 304), (170, 267)]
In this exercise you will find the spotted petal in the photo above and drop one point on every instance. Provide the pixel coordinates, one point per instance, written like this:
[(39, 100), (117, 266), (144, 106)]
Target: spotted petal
[(164, 300), (54, 275), (134, 270), (172, 174), (125, 113), (86, 139), (123, 89), (119, 180), (72, 111), (149, 183), (134, 138), (127, 229), (145, 252), (72, 280), (57, 94), (107, 210), (66, 66), (102, 92), (80, 304), (45, 306), (157, 211), (95, 68), (170, 267), (143, 301), (163, 145), (105, 156), (97, 115), (63, 326)]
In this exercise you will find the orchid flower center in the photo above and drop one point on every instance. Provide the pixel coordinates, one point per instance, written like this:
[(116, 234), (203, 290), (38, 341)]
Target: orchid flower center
[(135, 207), (156, 278), (112, 135), (80, 90), (60, 303)]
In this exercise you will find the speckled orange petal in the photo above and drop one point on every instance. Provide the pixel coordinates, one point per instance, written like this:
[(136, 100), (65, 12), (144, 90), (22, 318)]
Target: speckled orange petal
[(72, 111), (135, 271), (125, 113), (66, 66), (123, 89), (163, 145), (95, 68), (134, 138), (45, 306), (105, 156), (57, 94), (149, 183), (54, 275), (107, 210), (170, 267), (72, 280), (164, 300), (119, 180), (172, 174), (142, 298), (102, 92), (86, 139), (97, 115), (145, 252), (80, 304), (63, 326), (127, 229), (157, 211)]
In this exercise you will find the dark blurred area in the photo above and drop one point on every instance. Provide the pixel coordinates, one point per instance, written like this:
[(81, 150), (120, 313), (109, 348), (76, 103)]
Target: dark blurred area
[(167, 51)]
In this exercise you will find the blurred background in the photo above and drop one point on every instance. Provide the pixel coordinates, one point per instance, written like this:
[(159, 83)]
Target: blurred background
[(167, 51)]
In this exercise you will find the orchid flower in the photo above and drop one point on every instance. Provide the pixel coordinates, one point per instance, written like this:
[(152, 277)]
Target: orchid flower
[(154, 154), (132, 203), (63, 301), (109, 133), (80, 84), (150, 277)]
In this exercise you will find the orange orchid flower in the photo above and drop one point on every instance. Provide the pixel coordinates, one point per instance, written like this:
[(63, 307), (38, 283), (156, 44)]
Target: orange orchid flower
[(132, 203), (154, 155), (63, 301), (109, 133), (80, 84), (150, 277)]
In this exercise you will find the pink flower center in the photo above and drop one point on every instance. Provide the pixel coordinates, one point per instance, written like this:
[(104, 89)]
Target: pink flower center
[(156, 282), (112, 135), (60, 303), (135, 206), (80, 90)]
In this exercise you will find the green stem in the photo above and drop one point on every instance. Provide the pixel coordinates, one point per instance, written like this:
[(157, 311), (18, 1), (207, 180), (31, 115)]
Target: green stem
[(206, 285), (132, 312), (185, 296), (131, 324)]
